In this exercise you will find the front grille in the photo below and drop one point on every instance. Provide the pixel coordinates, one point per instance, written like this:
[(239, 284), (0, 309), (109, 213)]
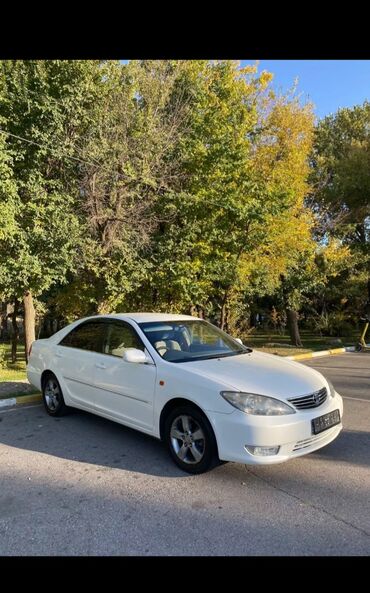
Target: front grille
[(313, 400), (314, 439)]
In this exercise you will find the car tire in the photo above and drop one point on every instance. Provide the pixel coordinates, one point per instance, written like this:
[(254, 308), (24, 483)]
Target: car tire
[(359, 347), (182, 427), (52, 396)]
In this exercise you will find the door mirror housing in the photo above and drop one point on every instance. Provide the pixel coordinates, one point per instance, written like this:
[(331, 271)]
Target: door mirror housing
[(135, 355), (239, 341)]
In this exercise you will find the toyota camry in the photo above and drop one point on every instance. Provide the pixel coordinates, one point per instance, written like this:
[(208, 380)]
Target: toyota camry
[(181, 379)]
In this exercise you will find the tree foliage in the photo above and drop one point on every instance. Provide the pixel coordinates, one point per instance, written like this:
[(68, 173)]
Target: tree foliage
[(340, 182), (45, 103), (170, 185), (245, 161)]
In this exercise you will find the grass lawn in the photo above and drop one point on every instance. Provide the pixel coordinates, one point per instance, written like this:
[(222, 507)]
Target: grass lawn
[(275, 343), (12, 371)]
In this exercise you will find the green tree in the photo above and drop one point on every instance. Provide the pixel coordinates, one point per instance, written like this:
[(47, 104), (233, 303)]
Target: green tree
[(340, 179), (44, 110), (8, 226), (131, 142), (245, 162)]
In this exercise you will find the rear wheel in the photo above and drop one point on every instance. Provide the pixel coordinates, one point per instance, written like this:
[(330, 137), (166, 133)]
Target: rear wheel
[(359, 347), (53, 397), (190, 440)]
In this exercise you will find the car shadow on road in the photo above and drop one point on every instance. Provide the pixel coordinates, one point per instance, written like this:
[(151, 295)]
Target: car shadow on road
[(91, 439), (87, 438)]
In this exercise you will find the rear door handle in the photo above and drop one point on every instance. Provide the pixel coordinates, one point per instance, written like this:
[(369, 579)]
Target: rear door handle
[(59, 355), (100, 365)]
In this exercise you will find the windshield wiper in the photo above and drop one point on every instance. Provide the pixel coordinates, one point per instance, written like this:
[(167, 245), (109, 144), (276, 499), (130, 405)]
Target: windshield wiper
[(211, 356)]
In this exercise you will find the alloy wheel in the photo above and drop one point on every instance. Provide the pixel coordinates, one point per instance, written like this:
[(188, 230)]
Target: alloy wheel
[(52, 394), (187, 439)]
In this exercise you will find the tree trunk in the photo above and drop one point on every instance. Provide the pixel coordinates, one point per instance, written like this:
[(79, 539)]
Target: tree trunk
[(292, 320), (29, 322), (227, 320), (46, 328), (154, 297), (223, 319), (253, 320), (223, 316), (200, 312), (15, 336), (4, 321)]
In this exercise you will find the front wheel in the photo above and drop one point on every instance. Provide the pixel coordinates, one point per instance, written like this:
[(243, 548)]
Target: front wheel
[(53, 397), (190, 440)]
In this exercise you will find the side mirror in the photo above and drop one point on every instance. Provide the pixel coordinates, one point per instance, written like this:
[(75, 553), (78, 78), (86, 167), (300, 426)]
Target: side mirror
[(238, 340), (135, 355)]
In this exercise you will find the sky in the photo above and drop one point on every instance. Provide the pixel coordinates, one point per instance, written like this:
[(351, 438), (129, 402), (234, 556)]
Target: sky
[(329, 84)]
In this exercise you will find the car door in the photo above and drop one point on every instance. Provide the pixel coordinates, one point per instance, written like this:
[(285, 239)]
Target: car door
[(76, 359), (124, 390)]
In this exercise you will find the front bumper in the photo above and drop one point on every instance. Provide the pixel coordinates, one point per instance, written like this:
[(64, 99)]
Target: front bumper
[(292, 433)]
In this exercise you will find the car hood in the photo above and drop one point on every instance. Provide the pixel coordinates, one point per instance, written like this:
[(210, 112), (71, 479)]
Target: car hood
[(257, 372)]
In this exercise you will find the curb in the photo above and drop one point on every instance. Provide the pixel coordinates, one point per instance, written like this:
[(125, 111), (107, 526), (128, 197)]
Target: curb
[(321, 353), (20, 399)]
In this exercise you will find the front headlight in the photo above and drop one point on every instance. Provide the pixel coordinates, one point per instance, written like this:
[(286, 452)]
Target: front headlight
[(331, 388), (260, 405)]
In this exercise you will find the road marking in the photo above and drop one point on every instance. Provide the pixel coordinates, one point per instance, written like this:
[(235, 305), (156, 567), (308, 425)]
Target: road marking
[(17, 408), (359, 399)]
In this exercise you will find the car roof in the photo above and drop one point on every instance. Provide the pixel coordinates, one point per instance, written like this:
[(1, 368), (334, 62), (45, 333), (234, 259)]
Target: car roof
[(147, 317)]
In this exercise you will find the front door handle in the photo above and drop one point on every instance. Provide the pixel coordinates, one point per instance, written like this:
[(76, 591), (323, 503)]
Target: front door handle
[(59, 355), (100, 365)]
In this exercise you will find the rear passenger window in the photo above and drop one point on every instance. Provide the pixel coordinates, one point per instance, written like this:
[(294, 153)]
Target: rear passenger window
[(87, 336)]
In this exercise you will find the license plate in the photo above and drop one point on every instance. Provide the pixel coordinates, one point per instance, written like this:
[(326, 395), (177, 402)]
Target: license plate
[(326, 421)]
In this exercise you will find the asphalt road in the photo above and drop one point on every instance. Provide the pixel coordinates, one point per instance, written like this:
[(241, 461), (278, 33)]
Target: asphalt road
[(82, 485)]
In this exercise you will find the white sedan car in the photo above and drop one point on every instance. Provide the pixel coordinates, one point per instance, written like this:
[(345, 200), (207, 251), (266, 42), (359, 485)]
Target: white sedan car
[(183, 380)]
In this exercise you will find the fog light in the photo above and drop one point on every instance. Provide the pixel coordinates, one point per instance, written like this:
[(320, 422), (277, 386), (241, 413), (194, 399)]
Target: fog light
[(262, 451)]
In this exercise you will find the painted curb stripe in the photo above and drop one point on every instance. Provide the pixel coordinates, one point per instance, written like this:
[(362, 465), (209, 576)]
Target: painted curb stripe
[(7, 402), (330, 352), (299, 356), (27, 399), (21, 399)]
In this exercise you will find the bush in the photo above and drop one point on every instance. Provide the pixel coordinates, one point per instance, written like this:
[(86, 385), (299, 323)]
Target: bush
[(335, 323)]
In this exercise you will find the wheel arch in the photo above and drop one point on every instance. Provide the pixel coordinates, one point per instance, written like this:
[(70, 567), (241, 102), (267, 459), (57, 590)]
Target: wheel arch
[(44, 375), (181, 401)]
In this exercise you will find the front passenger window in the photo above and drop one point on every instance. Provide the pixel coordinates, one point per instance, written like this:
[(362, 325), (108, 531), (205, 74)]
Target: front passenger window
[(120, 338)]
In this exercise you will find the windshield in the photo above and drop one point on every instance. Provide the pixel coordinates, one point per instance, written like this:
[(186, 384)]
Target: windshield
[(182, 341)]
